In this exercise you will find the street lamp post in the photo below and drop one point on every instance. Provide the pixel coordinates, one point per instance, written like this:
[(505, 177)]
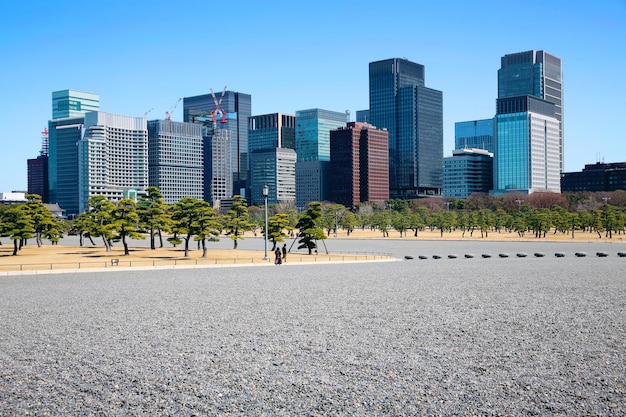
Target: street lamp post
[(266, 192)]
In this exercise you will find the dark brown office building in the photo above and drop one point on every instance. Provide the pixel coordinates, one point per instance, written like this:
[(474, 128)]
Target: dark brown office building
[(38, 177), (359, 164)]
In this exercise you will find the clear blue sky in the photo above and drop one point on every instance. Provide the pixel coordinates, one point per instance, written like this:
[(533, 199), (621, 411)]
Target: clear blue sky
[(291, 55)]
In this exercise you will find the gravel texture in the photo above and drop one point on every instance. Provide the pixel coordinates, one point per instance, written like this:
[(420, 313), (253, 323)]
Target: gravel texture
[(466, 336)]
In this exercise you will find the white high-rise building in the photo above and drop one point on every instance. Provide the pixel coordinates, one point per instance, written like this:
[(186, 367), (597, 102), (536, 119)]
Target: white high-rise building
[(175, 159), (112, 157)]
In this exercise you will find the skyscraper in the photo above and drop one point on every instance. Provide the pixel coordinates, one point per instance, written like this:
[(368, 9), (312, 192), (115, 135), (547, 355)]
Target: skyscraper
[(535, 73), (38, 170), (112, 157), (413, 115), (235, 108), (359, 164), (271, 142), (65, 131), (175, 163), (527, 146), (313, 128)]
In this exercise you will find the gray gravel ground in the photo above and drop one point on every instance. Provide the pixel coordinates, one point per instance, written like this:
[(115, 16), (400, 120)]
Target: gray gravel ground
[(514, 336)]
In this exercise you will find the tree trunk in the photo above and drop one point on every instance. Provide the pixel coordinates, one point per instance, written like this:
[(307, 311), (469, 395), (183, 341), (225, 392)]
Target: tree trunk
[(126, 252), (107, 244), (15, 247), (152, 238), (204, 251), (187, 246)]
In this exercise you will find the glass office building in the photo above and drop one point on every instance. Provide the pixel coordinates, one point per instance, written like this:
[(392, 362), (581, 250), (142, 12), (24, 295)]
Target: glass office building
[(65, 131), (413, 115), (269, 131), (272, 142), (527, 146), (175, 159), (474, 134), (277, 168), (313, 128), (535, 73), (467, 171), (72, 103), (236, 109)]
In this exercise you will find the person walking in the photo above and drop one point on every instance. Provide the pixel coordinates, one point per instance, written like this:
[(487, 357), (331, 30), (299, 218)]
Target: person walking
[(285, 252), (278, 259)]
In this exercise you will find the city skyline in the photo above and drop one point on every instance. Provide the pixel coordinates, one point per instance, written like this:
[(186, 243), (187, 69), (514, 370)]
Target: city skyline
[(136, 70)]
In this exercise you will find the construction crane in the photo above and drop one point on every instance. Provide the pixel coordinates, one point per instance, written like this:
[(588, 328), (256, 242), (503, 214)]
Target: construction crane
[(168, 114), (146, 113), (218, 109)]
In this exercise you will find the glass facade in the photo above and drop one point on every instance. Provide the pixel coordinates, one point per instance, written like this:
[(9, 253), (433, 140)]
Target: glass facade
[(535, 73), (64, 135), (271, 131), (527, 157), (313, 133), (467, 171), (237, 108), (272, 142), (475, 134), (72, 103), (511, 171), (413, 116), (276, 168)]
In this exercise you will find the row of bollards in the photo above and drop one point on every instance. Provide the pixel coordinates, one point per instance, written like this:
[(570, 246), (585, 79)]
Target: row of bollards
[(600, 254)]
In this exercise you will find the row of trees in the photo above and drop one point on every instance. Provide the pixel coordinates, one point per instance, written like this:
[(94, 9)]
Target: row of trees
[(191, 219), (187, 220)]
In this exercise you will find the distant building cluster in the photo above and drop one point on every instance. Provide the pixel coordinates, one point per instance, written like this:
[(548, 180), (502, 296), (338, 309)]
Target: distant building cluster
[(393, 150)]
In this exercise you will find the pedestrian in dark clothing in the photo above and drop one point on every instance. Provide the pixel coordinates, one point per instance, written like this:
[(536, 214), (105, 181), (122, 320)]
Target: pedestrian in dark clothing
[(285, 252), (278, 260)]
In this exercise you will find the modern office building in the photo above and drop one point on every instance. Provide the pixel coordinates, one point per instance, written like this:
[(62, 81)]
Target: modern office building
[(527, 151), (313, 128), (38, 177), (467, 171), (596, 177), (535, 73), (112, 157), (474, 134), (65, 131), (363, 116), (218, 184), (413, 115), (271, 146), (269, 131), (72, 103), (233, 113), (277, 168), (175, 159), (63, 163), (312, 182), (37, 170), (359, 164)]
